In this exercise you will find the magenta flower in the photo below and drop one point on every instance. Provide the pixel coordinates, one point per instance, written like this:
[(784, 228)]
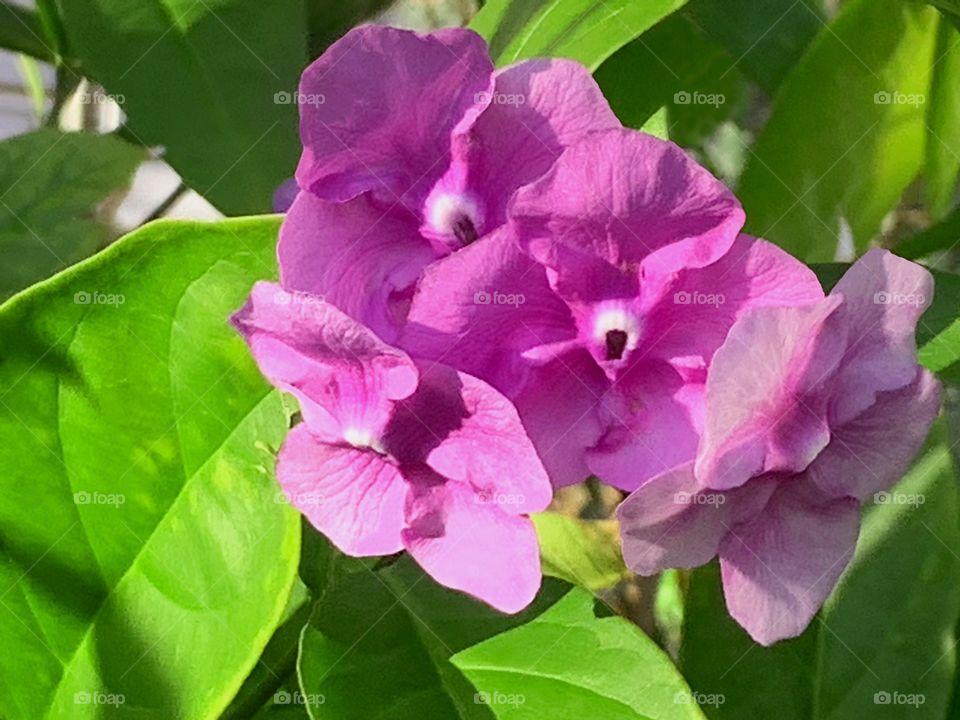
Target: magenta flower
[(394, 456), (809, 412), (626, 270), (413, 146)]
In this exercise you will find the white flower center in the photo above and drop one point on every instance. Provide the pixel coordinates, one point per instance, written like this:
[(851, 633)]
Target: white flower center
[(456, 215), (617, 330)]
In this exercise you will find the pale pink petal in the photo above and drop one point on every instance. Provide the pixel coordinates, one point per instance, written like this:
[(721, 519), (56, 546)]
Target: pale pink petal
[(778, 569), (355, 497), (883, 298), (766, 407), (671, 523), (873, 451)]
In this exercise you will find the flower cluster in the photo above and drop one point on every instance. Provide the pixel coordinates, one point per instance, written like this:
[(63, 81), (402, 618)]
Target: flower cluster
[(510, 292)]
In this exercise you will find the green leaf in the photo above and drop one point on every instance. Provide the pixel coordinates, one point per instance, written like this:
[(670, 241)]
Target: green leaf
[(943, 123), (683, 69), (569, 664), (200, 79), (22, 31), (585, 30), (582, 552), (379, 645), (277, 663), (887, 628), (838, 154), (142, 550), (657, 125), (765, 39), (50, 185)]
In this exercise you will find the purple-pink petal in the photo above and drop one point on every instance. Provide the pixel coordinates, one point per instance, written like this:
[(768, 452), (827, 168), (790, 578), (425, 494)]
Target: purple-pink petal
[(378, 109), (353, 496), (535, 110), (470, 545), (362, 257), (621, 199), (344, 377), (479, 309)]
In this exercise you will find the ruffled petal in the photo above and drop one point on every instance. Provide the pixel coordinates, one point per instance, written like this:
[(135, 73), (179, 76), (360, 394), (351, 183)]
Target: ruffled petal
[(472, 546), (671, 523), (767, 393), (354, 497), (345, 378), (874, 450), (883, 298), (620, 200), (778, 569), (378, 109), (480, 308), (470, 433), (361, 257)]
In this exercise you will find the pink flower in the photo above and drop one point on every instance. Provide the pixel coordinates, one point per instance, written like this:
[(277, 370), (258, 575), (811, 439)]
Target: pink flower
[(392, 455), (413, 146), (627, 271), (809, 412)]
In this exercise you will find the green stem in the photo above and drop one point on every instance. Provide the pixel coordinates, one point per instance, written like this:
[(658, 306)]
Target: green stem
[(22, 32)]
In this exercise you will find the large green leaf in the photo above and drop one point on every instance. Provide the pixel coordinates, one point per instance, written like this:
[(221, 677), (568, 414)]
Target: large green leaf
[(683, 69), (847, 131), (200, 79), (943, 123), (569, 664), (50, 185), (886, 633), (585, 30), (379, 645), (765, 38), (142, 550)]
